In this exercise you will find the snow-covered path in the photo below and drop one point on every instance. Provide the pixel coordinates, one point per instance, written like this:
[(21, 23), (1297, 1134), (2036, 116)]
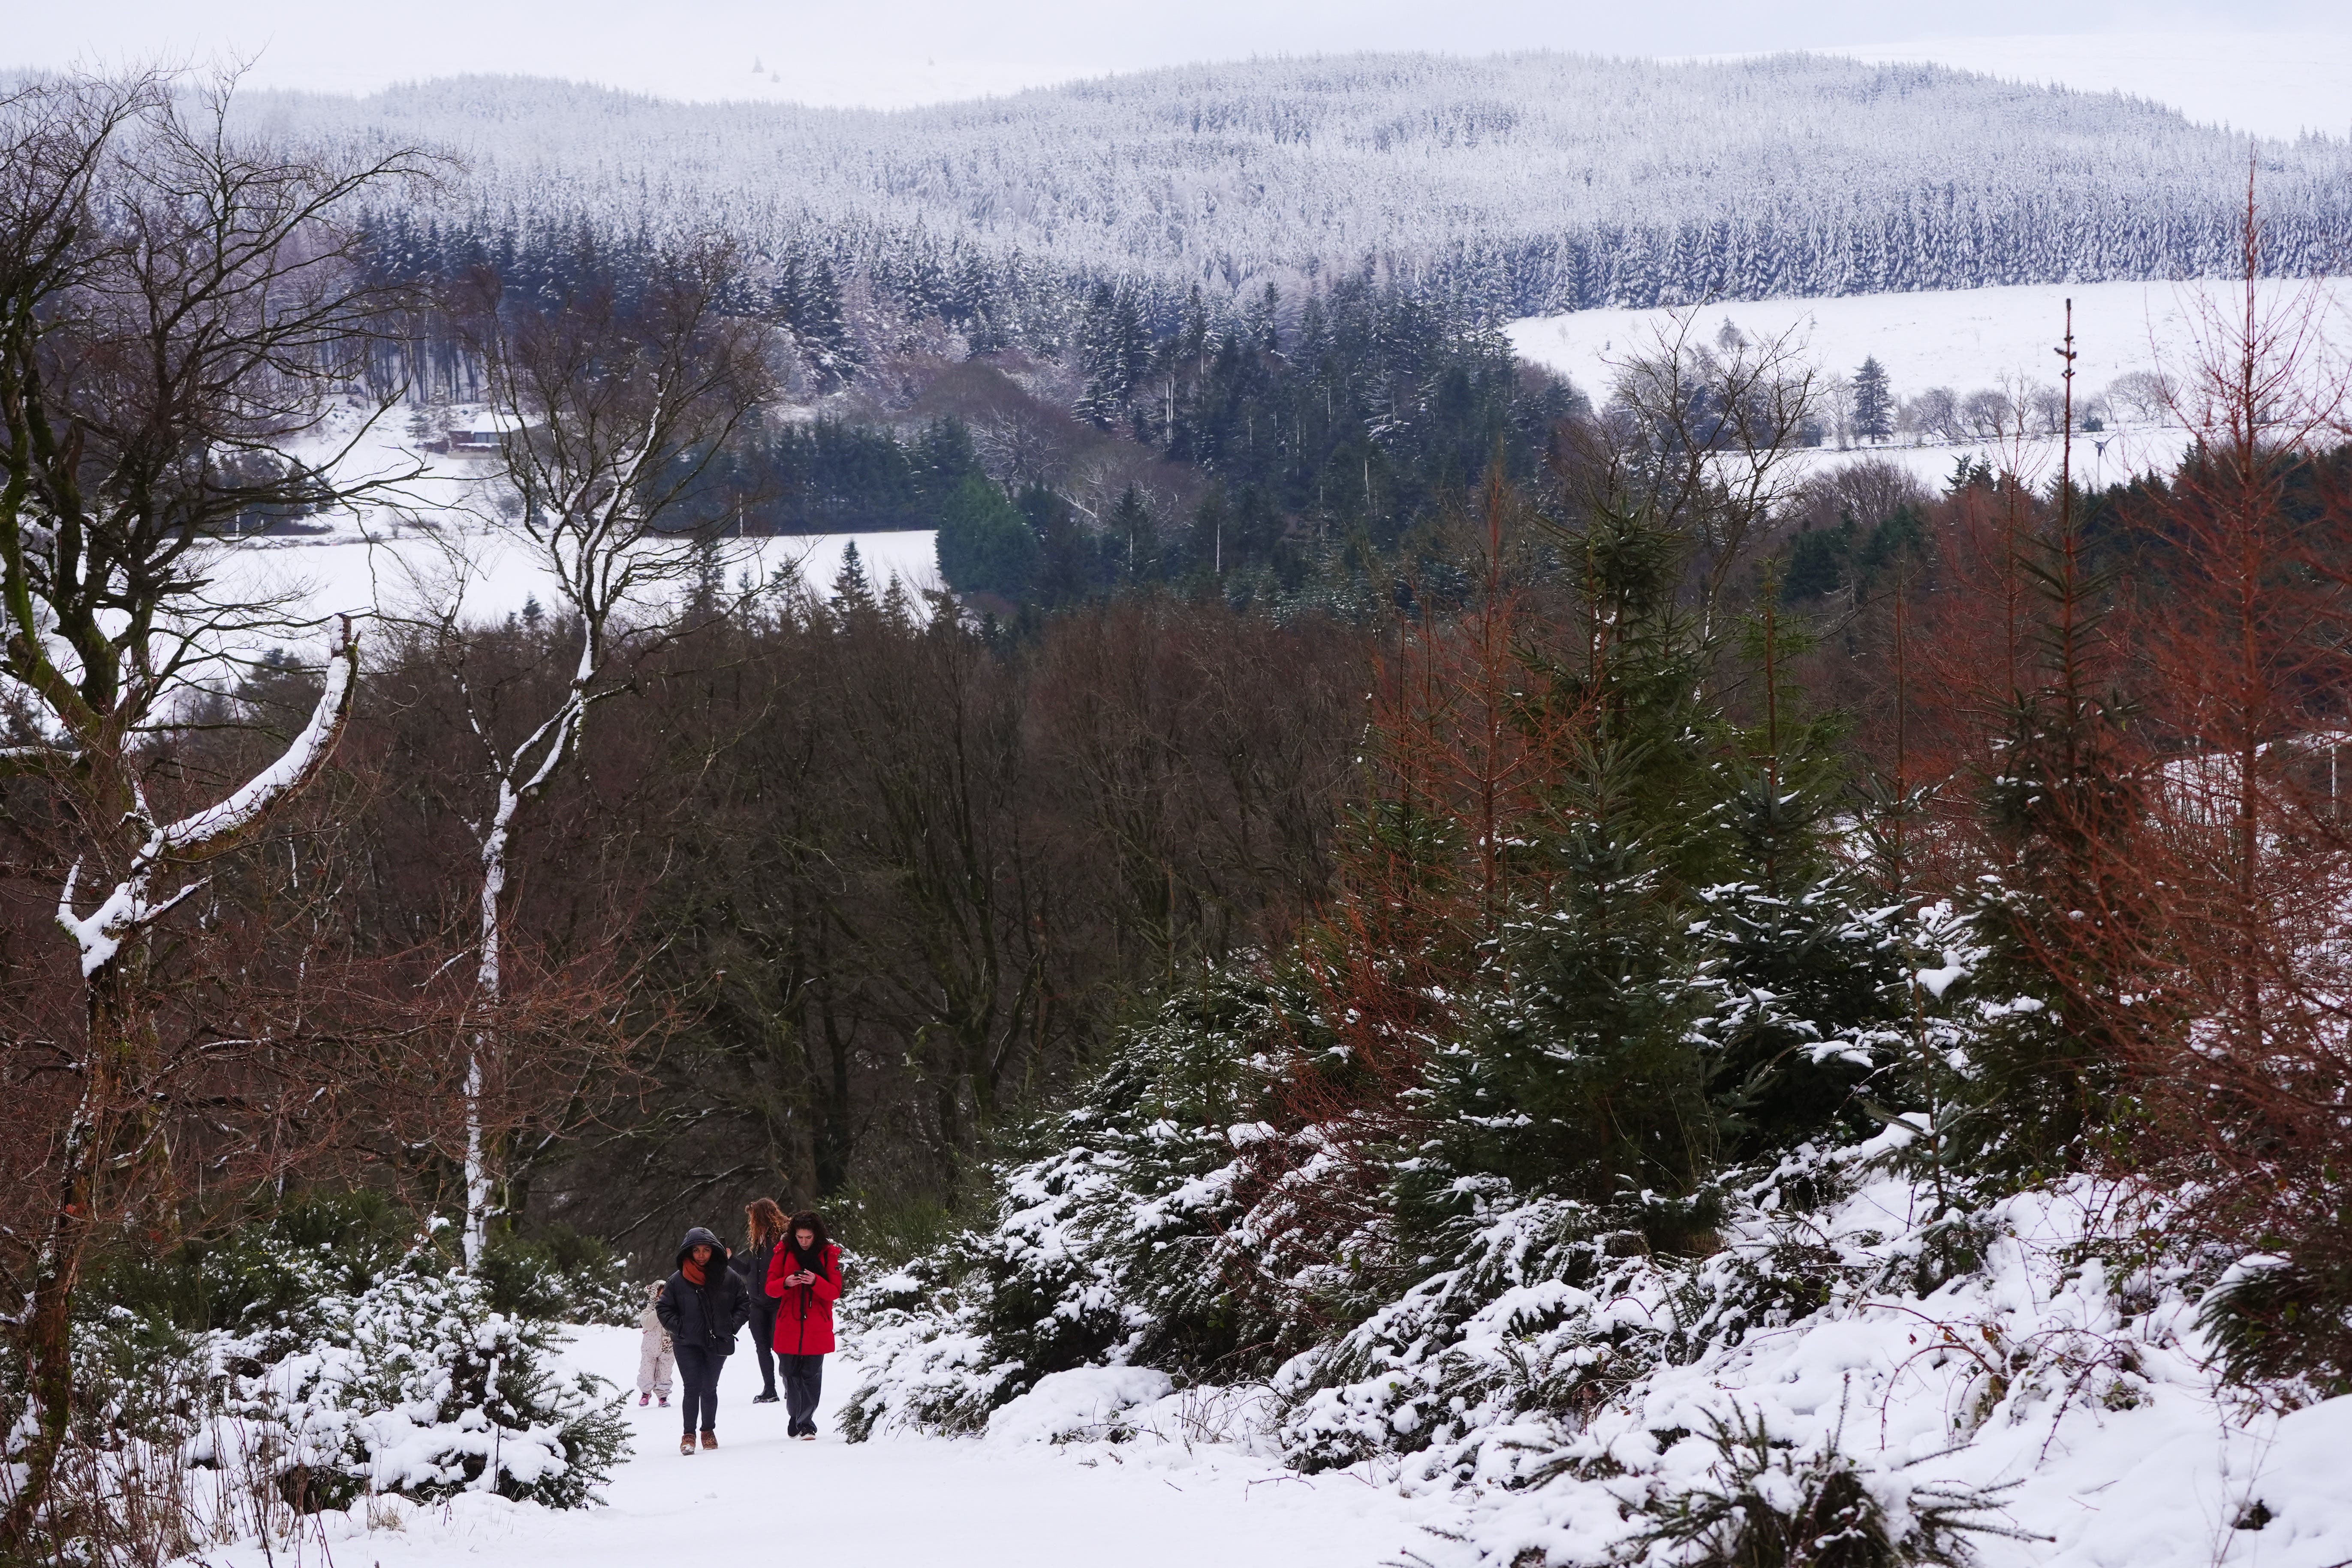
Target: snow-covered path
[(913, 1502)]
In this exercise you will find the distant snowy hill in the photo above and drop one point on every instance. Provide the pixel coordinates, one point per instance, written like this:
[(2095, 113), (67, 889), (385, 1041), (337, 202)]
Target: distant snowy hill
[(1517, 183)]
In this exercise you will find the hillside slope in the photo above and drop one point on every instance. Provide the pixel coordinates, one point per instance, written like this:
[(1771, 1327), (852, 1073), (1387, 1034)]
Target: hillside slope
[(1525, 183)]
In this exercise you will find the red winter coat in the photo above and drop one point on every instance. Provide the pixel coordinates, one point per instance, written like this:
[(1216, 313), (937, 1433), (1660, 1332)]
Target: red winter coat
[(805, 1313)]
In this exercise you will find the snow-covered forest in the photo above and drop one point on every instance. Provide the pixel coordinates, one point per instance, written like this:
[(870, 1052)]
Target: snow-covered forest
[(1731, 958), (1516, 184)]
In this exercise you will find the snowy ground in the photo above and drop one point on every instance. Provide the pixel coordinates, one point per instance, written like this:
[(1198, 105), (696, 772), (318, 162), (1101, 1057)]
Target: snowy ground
[(894, 1502), (1967, 340), (1961, 338), (411, 569), (2109, 1450), (434, 539)]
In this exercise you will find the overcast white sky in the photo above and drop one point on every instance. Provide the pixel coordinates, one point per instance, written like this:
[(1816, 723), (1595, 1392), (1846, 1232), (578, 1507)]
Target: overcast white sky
[(889, 53)]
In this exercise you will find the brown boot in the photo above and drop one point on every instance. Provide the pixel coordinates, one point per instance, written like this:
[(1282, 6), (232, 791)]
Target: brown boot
[(710, 1439), (686, 1443)]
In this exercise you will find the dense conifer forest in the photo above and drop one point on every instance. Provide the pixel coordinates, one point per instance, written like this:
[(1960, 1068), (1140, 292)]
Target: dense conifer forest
[(1511, 186)]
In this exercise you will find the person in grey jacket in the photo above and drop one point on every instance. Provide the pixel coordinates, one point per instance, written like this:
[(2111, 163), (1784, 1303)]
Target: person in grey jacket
[(702, 1305), (654, 1358)]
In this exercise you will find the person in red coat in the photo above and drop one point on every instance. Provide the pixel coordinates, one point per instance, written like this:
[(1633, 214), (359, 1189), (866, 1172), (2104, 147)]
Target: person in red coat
[(805, 1276)]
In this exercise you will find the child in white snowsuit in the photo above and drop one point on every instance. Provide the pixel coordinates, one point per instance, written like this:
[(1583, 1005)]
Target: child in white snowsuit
[(654, 1355)]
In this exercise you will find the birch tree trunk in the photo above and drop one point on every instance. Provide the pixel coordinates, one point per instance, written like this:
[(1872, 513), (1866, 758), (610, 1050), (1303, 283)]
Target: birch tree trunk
[(614, 414)]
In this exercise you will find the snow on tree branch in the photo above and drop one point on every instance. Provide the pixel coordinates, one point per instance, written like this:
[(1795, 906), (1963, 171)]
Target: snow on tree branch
[(129, 909)]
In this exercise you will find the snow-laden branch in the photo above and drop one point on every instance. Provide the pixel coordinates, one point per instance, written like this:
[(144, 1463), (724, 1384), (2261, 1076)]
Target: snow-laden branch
[(126, 911), (193, 834), (128, 908)]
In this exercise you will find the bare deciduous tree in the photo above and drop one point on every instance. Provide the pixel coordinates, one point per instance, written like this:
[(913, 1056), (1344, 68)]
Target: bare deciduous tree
[(614, 408), (178, 309), (1704, 441)]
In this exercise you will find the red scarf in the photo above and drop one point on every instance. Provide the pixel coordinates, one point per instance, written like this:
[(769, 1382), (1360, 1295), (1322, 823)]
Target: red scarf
[(693, 1272)]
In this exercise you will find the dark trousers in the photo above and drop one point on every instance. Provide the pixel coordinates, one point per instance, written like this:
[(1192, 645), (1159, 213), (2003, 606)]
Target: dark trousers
[(803, 1382), (763, 1337), (699, 1367)]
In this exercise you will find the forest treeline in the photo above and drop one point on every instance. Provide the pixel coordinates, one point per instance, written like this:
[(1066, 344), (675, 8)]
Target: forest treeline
[(1512, 185), (882, 882), (864, 886), (1279, 450)]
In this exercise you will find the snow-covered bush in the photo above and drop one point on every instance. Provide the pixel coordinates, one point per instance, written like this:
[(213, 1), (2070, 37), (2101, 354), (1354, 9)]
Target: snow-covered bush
[(1115, 1246), (2271, 1322), (417, 1386), (274, 1271), (1763, 1503), (1495, 1258), (368, 1370), (564, 1277), (1548, 1311), (303, 1362), (1084, 1405), (926, 1366)]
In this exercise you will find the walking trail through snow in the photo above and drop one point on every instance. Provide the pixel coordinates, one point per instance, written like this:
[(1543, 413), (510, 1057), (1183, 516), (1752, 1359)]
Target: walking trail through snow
[(894, 1503)]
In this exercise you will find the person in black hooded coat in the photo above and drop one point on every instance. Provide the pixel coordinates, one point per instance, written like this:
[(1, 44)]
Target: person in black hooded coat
[(703, 1306)]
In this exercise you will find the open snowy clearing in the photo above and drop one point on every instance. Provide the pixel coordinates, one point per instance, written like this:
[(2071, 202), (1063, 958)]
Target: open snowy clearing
[(411, 572), (2111, 457), (1964, 339), (911, 1501), (432, 541)]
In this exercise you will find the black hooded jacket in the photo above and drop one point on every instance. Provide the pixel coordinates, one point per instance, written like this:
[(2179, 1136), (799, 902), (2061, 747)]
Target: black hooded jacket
[(710, 1314)]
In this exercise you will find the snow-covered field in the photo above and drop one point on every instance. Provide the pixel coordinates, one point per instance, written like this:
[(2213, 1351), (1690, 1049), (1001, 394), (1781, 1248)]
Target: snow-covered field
[(410, 571), (433, 540), (1960, 338), (905, 1502), (1967, 340)]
